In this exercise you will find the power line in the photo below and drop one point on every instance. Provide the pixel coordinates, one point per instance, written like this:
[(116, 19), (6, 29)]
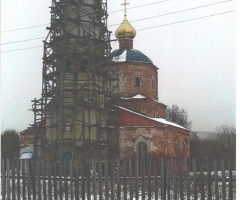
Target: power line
[(24, 28), (188, 20), (139, 6), (177, 11), (21, 49), (108, 12), (150, 27), (22, 40), (142, 18)]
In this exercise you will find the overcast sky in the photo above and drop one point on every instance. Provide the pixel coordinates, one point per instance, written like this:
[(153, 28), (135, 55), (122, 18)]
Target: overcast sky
[(193, 43)]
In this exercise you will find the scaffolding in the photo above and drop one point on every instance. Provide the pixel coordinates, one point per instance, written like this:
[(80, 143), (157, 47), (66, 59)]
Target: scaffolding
[(77, 116)]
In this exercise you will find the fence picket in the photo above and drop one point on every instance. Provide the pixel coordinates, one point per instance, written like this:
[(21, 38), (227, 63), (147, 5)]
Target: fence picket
[(167, 178), (188, 178), (112, 179), (174, 178), (95, 179), (76, 182), (155, 179), (223, 180), (13, 180), (130, 178), (118, 180), (33, 178), (216, 179), (143, 177), (106, 178), (71, 178), (149, 178), (181, 164), (100, 178), (209, 181), (18, 179), (3, 179), (60, 179), (66, 171), (55, 180), (136, 178), (83, 177), (124, 180), (195, 179), (230, 180), (202, 181), (8, 179)]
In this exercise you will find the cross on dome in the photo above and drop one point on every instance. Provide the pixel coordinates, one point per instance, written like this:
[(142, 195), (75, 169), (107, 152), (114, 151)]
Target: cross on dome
[(125, 7)]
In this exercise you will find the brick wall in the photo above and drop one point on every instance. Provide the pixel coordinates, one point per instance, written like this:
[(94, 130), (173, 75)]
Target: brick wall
[(147, 74), (161, 140), (145, 106)]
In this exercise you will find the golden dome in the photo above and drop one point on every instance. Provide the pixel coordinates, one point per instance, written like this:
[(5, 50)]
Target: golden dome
[(125, 30)]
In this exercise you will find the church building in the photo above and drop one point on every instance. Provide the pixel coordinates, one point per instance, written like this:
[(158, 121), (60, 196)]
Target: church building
[(144, 131)]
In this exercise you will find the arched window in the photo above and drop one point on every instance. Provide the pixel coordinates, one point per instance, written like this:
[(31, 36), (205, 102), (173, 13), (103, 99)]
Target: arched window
[(142, 150)]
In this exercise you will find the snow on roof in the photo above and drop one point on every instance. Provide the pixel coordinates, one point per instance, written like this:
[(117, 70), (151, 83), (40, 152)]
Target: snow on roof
[(138, 96), (161, 120), (164, 121), (26, 155)]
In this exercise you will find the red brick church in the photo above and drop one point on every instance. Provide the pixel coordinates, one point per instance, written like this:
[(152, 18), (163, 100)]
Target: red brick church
[(144, 132)]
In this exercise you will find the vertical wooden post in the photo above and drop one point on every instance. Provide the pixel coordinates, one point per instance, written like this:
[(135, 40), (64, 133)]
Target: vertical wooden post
[(216, 179), (209, 181), (149, 178), (60, 179), (13, 179), (18, 180), (181, 163), (195, 179), (106, 178), (124, 179), (155, 179), (112, 179), (44, 180), (83, 177), (188, 163), (33, 177), (168, 179), (100, 178), (118, 180), (202, 181), (223, 180), (136, 178), (3, 179), (55, 179), (39, 195), (23, 179), (8, 179), (28, 179), (174, 178), (130, 178), (76, 183), (163, 189), (143, 178), (49, 179), (230, 180), (71, 163)]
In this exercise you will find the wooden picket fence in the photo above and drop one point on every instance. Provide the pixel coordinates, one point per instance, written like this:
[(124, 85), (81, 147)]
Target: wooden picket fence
[(117, 179)]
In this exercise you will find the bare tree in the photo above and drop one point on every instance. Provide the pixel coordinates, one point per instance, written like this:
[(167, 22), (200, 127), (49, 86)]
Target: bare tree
[(178, 116), (10, 144)]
